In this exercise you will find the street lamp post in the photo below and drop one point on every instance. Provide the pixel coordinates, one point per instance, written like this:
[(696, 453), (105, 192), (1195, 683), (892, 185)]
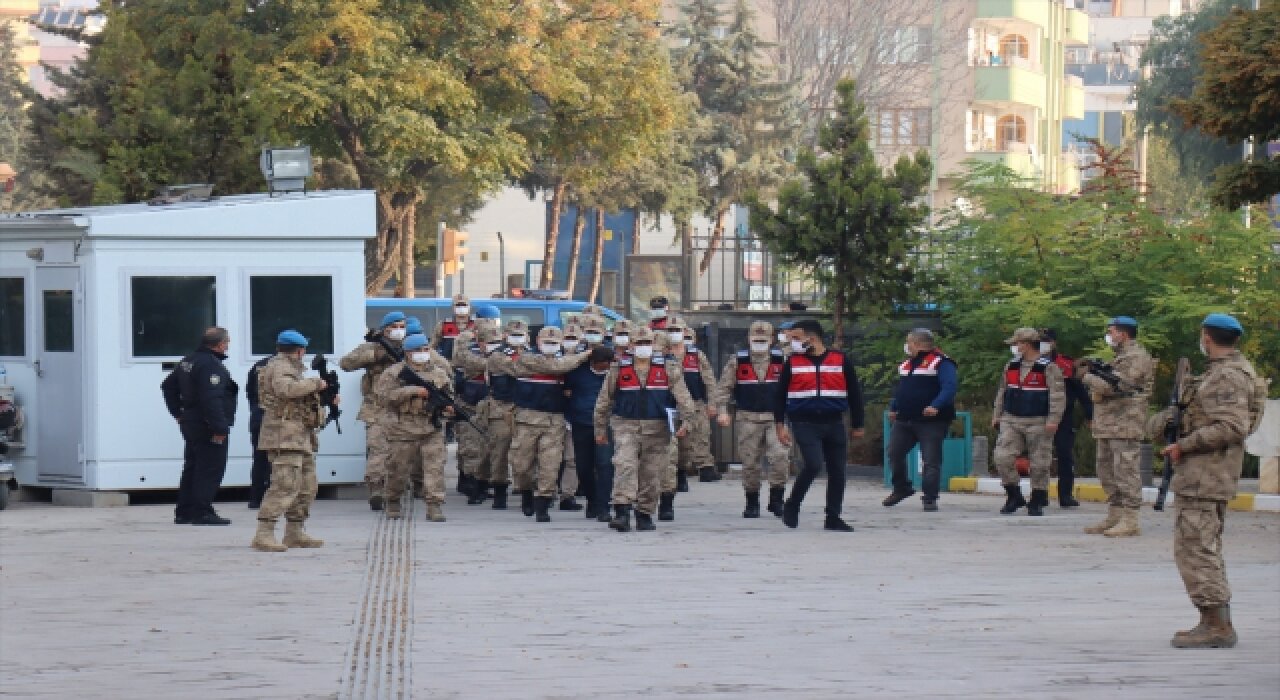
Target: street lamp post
[(502, 266)]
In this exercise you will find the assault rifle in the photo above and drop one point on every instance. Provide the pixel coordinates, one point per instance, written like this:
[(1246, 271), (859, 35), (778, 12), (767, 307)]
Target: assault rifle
[(1171, 428), (376, 336), (439, 399), (1107, 373), (329, 395)]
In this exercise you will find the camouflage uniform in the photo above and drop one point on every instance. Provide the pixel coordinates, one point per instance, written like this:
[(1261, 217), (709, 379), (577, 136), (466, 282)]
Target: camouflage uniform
[(1026, 434), (695, 448), (414, 439), (500, 414), (539, 435), (1118, 424), (754, 431), (374, 359), (471, 444), (292, 415)]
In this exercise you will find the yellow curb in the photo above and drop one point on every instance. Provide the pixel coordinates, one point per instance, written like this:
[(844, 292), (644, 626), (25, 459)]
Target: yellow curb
[(963, 484), (1091, 492), (1242, 501)]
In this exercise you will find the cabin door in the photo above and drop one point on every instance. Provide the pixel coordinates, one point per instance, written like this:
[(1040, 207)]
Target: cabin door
[(59, 427)]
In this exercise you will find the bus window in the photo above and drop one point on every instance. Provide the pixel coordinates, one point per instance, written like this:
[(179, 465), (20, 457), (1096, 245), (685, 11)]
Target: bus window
[(531, 316)]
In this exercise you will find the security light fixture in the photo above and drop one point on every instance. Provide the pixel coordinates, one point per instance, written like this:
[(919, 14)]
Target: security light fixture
[(286, 168)]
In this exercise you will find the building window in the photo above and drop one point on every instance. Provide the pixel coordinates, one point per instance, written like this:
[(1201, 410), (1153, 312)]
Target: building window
[(301, 303), (1010, 129), (906, 45), (170, 314), (13, 317), (1014, 46), (903, 127), (59, 320)]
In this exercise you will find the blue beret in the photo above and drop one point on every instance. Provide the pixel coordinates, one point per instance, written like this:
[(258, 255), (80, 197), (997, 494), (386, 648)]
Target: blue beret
[(1123, 321), (292, 337), (487, 311), (392, 317), (415, 341), (412, 325), (786, 325), (1226, 322)]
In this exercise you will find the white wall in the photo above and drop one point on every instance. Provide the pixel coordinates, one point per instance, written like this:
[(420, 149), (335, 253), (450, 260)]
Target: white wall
[(522, 222)]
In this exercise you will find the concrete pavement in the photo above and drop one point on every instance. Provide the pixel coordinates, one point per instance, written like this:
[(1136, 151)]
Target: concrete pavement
[(964, 603)]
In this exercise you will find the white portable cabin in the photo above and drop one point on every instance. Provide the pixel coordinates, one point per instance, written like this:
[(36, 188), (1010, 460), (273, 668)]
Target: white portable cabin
[(98, 304)]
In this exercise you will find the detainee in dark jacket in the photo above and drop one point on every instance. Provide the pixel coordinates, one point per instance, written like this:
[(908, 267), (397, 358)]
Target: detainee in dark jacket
[(922, 409), (260, 472)]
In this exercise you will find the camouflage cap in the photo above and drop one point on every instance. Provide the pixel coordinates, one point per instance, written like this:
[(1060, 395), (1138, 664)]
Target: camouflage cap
[(550, 334), (517, 327), (1023, 335), (593, 323), (593, 310), (624, 327), (675, 323), (461, 299), (490, 334), (572, 319), (640, 334), (760, 330), (573, 330), (690, 334)]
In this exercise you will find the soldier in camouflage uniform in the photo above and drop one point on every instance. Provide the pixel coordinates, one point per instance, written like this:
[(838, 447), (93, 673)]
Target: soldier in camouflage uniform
[(621, 338), (633, 403), (374, 357), (414, 436), (471, 390), (1027, 411), (1223, 406), (444, 337), (501, 408), (751, 379), (1118, 416), (292, 415)]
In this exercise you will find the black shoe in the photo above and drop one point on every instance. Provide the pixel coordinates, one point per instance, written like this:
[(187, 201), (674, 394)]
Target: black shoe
[(499, 497), (1039, 499), (621, 519), (790, 514), (603, 516), (541, 505), (210, 519), (834, 522), (479, 492), (375, 503), (666, 508), (706, 474), (931, 505), (570, 503), (463, 487), (644, 522), (1068, 502), (254, 505), (592, 510), (181, 520), (682, 481), (526, 502), (897, 497), (776, 496), (753, 505), (1014, 500)]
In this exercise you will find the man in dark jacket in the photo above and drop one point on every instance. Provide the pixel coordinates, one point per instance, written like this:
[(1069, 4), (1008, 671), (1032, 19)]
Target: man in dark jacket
[(1064, 441), (922, 409), (201, 396), (582, 386), (260, 473)]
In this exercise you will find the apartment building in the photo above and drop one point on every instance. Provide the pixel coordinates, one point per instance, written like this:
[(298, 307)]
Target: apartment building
[(13, 14)]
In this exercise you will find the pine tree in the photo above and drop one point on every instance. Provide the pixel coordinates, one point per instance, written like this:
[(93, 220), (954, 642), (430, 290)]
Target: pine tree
[(849, 223)]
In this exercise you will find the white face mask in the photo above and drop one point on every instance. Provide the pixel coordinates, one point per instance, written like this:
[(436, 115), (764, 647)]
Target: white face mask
[(599, 372), (462, 310), (492, 346), (658, 313), (571, 345), (644, 351), (595, 337), (396, 333), (688, 345), (1015, 351), (782, 337), (759, 346), (676, 336), (622, 340), (1111, 342), (1046, 348), (549, 348), (516, 340), (797, 346), (906, 350), (420, 358)]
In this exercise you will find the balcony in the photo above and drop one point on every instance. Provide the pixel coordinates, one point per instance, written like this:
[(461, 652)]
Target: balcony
[(1015, 83), (1077, 28), (1033, 11), (1073, 98)]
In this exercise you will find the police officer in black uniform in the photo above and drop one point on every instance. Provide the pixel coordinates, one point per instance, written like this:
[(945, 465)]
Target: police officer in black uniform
[(201, 396), (260, 472)]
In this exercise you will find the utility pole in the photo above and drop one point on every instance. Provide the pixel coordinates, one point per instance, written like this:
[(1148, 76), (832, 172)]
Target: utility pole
[(502, 266), (440, 259)]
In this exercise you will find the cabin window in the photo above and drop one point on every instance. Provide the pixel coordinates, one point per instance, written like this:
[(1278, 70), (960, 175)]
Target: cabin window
[(170, 314), (301, 303), (13, 317)]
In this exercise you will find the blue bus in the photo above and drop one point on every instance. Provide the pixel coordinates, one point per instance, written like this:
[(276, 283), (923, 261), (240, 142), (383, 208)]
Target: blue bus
[(535, 312)]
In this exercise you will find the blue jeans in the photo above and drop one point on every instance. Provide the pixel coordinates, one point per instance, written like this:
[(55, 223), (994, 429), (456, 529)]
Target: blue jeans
[(594, 463), (929, 435), (821, 444)]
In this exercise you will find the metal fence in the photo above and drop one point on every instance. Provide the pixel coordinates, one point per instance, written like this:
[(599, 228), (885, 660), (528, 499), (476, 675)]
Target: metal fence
[(742, 274)]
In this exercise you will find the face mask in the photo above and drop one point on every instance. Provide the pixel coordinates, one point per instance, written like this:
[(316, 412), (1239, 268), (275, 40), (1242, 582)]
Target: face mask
[(396, 333), (571, 345), (461, 310), (906, 350), (1111, 342), (688, 345), (595, 338), (759, 346), (549, 348), (658, 313), (492, 346), (644, 351), (517, 340), (622, 340), (1045, 348), (1015, 351), (676, 336), (797, 346), (420, 358)]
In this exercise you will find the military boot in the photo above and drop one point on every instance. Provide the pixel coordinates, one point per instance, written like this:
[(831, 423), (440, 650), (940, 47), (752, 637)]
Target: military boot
[(593, 509), (435, 513), (1127, 526), (499, 497), (264, 540), (682, 481), (621, 519), (463, 487), (542, 504), (1039, 499), (479, 491), (708, 474), (753, 505), (295, 536), (1113, 517), (776, 496), (526, 502), (644, 522), (1214, 631), (570, 503), (666, 508), (1014, 500), (603, 516)]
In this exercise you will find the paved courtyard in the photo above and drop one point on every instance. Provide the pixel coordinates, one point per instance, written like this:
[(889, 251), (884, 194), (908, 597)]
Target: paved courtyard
[(964, 603)]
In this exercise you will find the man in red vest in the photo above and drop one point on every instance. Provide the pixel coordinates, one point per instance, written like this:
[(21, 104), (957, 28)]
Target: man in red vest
[(1028, 409), (751, 379), (817, 388), (922, 409)]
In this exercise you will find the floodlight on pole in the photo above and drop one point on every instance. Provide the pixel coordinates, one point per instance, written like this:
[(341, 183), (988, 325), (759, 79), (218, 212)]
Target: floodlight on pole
[(286, 168)]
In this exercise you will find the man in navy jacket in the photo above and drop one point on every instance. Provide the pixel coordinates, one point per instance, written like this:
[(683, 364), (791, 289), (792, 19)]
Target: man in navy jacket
[(922, 409)]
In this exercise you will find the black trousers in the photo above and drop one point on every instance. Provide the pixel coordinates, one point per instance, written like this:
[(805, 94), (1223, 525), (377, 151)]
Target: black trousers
[(929, 435), (594, 462), (260, 472), (821, 444), (203, 465), (1064, 448)]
